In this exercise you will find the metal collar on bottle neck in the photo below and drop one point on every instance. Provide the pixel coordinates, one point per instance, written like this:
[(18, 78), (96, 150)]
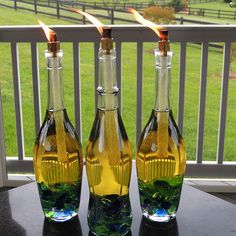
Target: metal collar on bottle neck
[(106, 40)]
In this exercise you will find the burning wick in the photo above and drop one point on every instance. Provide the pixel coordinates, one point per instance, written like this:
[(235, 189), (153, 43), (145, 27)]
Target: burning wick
[(53, 43), (162, 33), (164, 43), (105, 31), (53, 37)]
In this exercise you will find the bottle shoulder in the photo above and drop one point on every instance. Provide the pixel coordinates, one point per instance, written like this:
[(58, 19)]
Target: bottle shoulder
[(151, 128), (108, 126), (56, 122)]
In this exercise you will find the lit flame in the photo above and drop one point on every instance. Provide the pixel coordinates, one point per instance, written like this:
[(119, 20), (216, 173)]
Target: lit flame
[(91, 18), (50, 34), (145, 22)]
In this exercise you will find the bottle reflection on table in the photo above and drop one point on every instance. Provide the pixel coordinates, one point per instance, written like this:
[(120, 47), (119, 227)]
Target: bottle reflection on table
[(148, 228), (71, 227), (128, 234)]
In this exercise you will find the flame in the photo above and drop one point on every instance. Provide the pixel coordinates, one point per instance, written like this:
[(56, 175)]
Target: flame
[(145, 22), (91, 18), (50, 34)]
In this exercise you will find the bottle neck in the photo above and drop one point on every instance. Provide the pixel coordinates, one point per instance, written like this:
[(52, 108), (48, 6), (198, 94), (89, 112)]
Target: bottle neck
[(55, 88), (107, 84), (163, 68)]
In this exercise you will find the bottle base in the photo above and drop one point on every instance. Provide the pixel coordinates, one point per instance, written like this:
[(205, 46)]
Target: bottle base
[(60, 216), (127, 233), (109, 215), (160, 216)]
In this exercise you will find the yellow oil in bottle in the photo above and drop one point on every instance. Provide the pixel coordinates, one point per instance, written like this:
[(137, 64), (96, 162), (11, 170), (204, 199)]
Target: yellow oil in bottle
[(108, 166), (108, 158)]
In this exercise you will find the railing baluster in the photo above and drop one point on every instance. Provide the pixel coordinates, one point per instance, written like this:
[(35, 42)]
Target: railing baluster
[(36, 87), (17, 98), (139, 89), (77, 89), (223, 105), (202, 102), (119, 72), (3, 173), (181, 85), (96, 60)]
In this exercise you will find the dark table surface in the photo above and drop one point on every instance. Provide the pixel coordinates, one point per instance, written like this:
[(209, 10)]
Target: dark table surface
[(199, 214)]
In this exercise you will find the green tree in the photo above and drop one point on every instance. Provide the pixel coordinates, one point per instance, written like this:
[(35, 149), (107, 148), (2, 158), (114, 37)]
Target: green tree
[(232, 3), (177, 4)]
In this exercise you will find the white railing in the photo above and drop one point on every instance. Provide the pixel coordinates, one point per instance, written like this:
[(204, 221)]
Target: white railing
[(135, 34)]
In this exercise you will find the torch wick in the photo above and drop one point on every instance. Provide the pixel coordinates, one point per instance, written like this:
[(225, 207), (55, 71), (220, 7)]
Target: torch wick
[(53, 37), (164, 34), (164, 44), (106, 32)]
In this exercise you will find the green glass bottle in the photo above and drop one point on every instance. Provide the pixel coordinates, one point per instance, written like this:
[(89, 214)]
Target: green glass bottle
[(58, 159), (161, 155), (108, 154)]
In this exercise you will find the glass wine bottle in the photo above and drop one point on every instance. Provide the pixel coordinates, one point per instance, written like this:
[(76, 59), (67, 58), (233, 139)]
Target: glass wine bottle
[(161, 155), (108, 154), (58, 159)]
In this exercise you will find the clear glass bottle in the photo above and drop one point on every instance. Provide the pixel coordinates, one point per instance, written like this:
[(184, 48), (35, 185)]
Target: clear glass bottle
[(108, 155), (161, 155), (58, 159)]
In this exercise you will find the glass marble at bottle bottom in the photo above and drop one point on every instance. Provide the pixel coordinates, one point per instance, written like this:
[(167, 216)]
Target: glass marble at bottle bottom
[(160, 216), (109, 215), (160, 198), (60, 202), (60, 216)]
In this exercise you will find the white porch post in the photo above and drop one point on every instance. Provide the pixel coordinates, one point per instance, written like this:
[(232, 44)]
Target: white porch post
[(3, 174)]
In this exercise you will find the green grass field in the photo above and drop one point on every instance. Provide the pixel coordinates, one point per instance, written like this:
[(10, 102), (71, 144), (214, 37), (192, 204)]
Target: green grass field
[(212, 17), (216, 5), (11, 17), (78, 18)]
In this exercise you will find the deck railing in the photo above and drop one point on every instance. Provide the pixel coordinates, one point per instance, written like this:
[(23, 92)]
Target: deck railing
[(122, 34)]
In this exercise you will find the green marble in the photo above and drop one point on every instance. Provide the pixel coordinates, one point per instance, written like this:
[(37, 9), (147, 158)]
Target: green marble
[(160, 197), (60, 202), (109, 215)]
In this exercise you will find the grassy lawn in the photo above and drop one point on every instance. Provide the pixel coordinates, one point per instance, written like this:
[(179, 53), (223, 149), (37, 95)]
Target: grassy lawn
[(11, 17), (100, 1), (216, 5), (206, 19), (212, 17)]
